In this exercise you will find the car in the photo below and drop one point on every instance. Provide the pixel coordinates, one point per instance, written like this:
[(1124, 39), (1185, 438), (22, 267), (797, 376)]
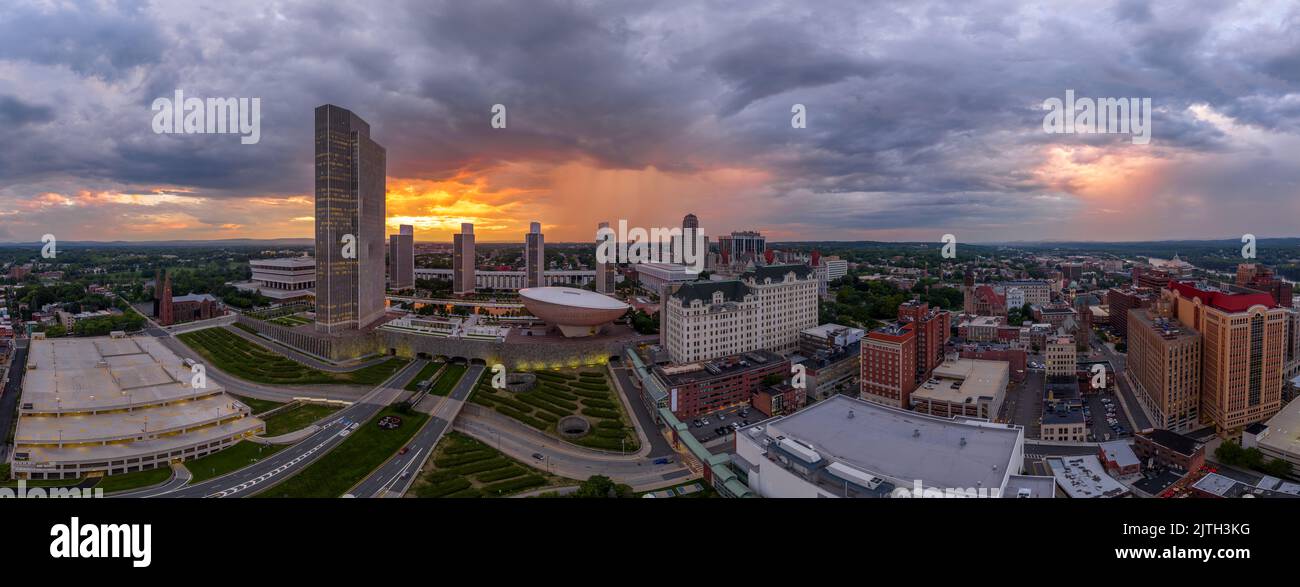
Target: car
[(744, 413), (539, 456), (663, 461), (696, 422), (704, 421), (735, 425), (721, 416), (405, 449)]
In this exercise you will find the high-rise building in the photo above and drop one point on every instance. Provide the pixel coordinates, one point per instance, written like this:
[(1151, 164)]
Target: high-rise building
[(766, 308), (932, 327), (1164, 362), (1260, 278), (166, 309), (691, 231), (1122, 301), (889, 365), (462, 260), (605, 270), (742, 246), (401, 258), (534, 256), (1243, 340), (350, 217)]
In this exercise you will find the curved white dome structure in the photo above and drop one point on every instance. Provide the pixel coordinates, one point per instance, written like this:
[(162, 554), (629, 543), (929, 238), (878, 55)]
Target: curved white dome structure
[(576, 312)]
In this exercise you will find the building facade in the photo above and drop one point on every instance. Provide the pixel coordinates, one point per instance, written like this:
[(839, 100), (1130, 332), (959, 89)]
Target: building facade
[(463, 260), (889, 364), (350, 217), (1164, 363), (534, 256), (605, 270), (766, 308), (401, 258)]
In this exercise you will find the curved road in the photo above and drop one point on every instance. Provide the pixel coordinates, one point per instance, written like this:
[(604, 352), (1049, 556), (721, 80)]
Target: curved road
[(281, 465)]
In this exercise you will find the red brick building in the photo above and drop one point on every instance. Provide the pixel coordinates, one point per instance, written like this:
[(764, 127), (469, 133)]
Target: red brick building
[(1121, 301), (1261, 278), (776, 400), (1015, 357), (1169, 449), (695, 389), (889, 358), (932, 327)]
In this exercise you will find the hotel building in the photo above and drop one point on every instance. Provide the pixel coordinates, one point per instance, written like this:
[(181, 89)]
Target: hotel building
[(766, 308), (350, 217)]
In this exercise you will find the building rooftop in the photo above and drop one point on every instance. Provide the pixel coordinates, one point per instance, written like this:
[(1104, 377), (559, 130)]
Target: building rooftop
[(965, 381), (674, 375), (97, 374), (1283, 432), (777, 273), (1121, 453), (108, 427), (732, 291), (1223, 299), (1181, 444), (1084, 477), (1030, 486), (900, 445), (285, 262)]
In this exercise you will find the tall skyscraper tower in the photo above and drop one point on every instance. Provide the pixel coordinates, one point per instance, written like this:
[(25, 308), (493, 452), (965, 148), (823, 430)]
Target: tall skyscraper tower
[(604, 270), (350, 192), (690, 231), (534, 256), (401, 258), (462, 260)]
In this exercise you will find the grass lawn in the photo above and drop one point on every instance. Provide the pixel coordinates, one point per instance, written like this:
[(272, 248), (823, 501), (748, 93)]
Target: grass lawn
[(135, 480), (424, 374), (290, 320), (462, 466), (297, 418), (448, 380), (258, 405), (5, 481), (234, 458), (584, 391), (365, 449), (244, 359)]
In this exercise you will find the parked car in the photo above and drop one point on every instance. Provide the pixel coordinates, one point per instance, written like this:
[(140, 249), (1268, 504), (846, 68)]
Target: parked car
[(539, 456), (663, 461)]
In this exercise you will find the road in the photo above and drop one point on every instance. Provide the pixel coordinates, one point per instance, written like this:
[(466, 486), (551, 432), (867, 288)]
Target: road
[(394, 478), (1137, 414), (521, 443), (281, 465), (645, 421), (11, 393)]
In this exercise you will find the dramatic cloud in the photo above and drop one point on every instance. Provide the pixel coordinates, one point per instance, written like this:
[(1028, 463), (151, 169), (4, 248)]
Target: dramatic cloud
[(923, 118)]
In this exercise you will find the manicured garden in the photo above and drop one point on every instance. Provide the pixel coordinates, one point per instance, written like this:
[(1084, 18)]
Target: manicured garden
[(231, 459), (296, 418), (365, 449), (464, 467), (559, 393), (244, 359), (291, 320)]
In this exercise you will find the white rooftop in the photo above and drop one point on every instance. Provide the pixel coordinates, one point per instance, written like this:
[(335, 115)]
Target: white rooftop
[(96, 374), (1084, 477), (1283, 433), (570, 296), (902, 445)]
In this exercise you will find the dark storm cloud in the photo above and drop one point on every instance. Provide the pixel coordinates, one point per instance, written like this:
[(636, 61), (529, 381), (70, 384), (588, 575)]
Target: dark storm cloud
[(932, 106), (15, 113)]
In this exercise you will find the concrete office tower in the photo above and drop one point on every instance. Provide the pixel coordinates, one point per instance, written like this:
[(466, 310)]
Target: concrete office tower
[(1164, 362), (605, 272), (690, 230), (462, 260), (401, 258), (350, 191), (534, 256)]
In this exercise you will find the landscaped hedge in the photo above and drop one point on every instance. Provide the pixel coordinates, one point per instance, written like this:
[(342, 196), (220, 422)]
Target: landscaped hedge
[(599, 413), (464, 458), (599, 403), (563, 403), (591, 386), (513, 485), (609, 424), (507, 473), (592, 394), (444, 488), (557, 392), (542, 406), (525, 418), (479, 467)]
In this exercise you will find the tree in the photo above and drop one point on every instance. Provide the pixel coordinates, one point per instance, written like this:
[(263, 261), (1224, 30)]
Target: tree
[(600, 486)]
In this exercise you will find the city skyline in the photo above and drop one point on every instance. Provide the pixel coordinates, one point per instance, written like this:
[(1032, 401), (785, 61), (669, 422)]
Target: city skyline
[(608, 121)]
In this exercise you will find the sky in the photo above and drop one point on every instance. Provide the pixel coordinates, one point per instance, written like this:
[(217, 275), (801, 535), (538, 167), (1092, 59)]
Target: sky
[(922, 118)]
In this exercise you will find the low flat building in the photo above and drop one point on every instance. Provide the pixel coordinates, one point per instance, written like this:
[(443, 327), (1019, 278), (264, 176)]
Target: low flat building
[(1168, 449), (695, 389), (847, 447), (1278, 438), (282, 279), (1084, 477), (112, 405), (963, 387), (1118, 458)]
